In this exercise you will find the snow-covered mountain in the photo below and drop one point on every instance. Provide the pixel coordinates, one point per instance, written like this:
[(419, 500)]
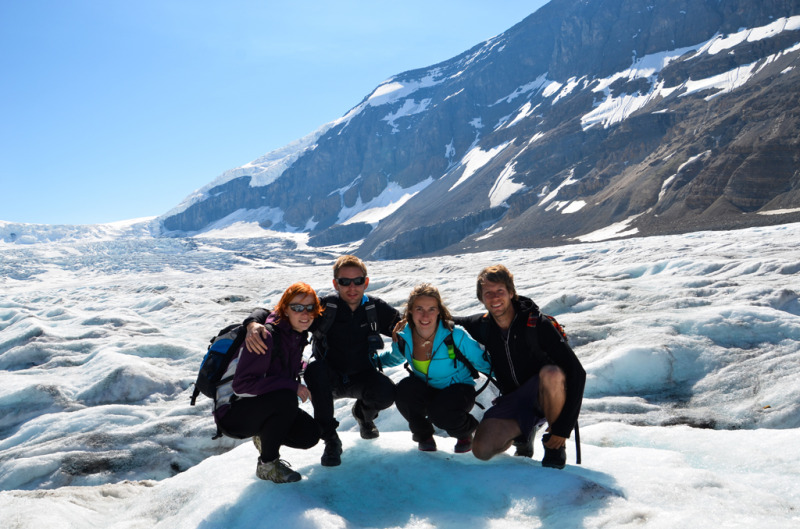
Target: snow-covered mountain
[(588, 119)]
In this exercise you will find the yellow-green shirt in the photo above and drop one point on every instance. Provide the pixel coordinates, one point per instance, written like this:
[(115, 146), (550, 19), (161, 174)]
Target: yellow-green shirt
[(421, 365)]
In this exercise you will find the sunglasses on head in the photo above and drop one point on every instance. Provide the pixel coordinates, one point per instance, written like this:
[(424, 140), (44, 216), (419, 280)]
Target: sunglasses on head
[(345, 281), (297, 307)]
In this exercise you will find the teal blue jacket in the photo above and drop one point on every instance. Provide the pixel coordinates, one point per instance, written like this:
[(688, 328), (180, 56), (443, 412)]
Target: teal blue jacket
[(444, 369)]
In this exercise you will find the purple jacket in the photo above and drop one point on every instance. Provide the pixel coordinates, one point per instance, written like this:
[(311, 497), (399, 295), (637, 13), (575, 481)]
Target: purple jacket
[(258, 374)]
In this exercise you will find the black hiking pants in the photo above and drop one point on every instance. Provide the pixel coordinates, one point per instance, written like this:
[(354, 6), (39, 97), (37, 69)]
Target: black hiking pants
[(425, 407), (276, 418), (372, 390)]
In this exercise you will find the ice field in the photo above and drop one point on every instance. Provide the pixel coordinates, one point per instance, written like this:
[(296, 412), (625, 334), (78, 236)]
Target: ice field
[(691, 413)]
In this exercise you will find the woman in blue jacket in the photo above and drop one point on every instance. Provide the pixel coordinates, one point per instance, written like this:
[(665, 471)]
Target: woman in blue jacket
[(262, 400), (440, 390)]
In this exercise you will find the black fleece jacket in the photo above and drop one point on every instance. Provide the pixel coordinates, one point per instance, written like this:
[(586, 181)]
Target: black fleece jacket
[(516, 361)]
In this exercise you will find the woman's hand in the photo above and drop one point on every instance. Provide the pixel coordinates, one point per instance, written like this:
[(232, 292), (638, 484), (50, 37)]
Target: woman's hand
[(303, 392)]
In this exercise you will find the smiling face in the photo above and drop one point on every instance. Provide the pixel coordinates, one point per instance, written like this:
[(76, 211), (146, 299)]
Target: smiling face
[(352, 293), (300, 321), (425, 315), (497, 300)]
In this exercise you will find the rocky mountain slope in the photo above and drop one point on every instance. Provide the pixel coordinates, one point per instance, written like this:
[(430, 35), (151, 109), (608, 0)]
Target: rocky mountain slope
[(589, 119)]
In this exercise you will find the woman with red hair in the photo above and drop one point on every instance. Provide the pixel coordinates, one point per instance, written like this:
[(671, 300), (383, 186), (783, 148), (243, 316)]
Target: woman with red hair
[(262, 400)]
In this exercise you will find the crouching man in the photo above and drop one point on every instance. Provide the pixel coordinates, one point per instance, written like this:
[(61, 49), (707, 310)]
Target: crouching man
[(539, 376)]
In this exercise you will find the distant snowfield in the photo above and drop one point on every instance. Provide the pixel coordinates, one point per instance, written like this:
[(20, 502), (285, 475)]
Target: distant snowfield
[(381, 206), (30, 234), (475, 159), (691, 414), (612, 231), (614, 109)]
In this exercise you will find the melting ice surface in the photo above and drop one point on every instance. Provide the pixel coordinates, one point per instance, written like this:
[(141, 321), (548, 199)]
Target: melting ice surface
[(691, 344)]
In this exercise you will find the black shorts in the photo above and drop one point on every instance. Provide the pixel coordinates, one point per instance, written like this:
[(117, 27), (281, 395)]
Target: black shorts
[(521, 405)]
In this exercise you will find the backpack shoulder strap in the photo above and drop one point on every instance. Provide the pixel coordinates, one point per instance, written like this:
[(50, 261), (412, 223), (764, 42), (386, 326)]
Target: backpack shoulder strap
[(374, 340), (455, 353), (557, 326), (372, 315), (458, 355), (328, 315), (401, 344), (531, 335), (535, 316), (319, 337)]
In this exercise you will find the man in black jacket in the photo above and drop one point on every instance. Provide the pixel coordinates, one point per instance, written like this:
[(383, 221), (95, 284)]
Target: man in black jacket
[(344, 364), (537, 373)]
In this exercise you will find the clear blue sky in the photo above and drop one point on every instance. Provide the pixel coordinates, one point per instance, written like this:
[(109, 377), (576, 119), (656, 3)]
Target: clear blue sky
[(112, 109)]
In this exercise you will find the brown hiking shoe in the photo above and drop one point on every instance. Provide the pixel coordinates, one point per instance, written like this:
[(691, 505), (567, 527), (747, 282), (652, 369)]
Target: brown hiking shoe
[(277, 471)]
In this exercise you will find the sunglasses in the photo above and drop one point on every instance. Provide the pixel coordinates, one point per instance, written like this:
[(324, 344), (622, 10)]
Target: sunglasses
[(297, 307), (345, 281)]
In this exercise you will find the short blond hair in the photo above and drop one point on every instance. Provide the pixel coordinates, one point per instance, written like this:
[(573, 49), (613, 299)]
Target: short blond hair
[(348, 260)]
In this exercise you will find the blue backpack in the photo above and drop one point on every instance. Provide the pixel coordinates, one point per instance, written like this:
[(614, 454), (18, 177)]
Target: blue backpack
[(221, 350)]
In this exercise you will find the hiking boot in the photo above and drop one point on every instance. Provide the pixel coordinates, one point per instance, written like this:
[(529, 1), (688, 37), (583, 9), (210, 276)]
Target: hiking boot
[(463, 445), (332, 455), (524, 447), (277, 471), (257, 442), (368, 428), (553, 457), (428, 445)]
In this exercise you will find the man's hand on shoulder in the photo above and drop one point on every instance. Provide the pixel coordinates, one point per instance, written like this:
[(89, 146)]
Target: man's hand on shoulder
[(398, 328), (254, 339)]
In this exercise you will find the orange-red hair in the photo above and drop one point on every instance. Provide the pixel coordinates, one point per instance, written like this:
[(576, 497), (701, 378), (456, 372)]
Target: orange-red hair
[(299, 288)]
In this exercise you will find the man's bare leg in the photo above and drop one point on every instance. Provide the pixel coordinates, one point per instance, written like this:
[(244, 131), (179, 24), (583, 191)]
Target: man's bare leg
[(552, 396), (494, 436), (552, 392)]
